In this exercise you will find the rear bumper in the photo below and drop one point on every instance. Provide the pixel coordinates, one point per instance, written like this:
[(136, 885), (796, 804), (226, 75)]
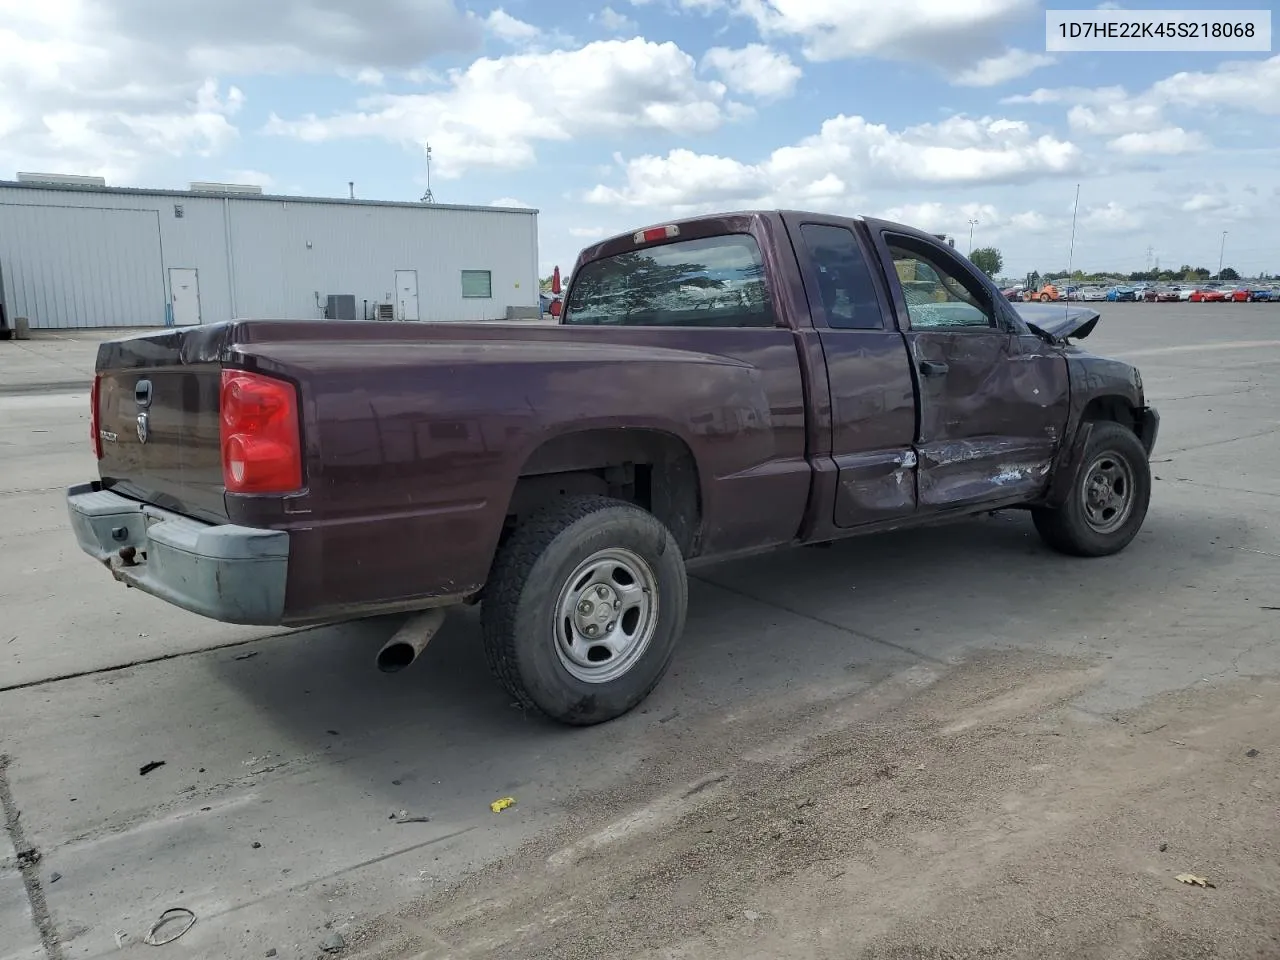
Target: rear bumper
[(226, 572)]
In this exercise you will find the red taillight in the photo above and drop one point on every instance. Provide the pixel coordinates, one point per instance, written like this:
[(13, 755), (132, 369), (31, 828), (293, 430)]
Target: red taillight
[(654, 234), (94, 435), (258, 426)]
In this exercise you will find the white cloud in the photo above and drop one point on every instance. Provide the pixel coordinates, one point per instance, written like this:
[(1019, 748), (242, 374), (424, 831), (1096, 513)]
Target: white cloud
[(1111, 217), (370, 77), (110, 87), (613, 21), (1204, 202), (937, 217), (1113, 119), (494, 111), (255, 177), (510, 202), (1249, 85), (754, 69), (1169, 140), (250, 36), (950, 33), (506, 27), (1010, 65), (588, 233), (847, 155), (1246, 86), (1079, 95)]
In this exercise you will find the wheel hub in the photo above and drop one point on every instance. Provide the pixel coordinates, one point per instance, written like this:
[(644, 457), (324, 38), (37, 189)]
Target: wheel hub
[(607, 614), (1108, 493), (597, 609)]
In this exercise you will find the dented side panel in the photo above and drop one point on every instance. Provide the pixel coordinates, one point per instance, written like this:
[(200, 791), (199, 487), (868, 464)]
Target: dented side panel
[(983, 468), (991, 428), (874, 487)]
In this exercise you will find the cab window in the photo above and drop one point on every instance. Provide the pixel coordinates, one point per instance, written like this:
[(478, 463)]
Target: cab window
[(937, 295)]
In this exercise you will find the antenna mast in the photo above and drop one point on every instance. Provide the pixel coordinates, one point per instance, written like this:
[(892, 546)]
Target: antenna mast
[(428, 197)]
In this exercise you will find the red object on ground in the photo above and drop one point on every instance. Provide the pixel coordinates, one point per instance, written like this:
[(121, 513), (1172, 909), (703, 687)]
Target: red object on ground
[(555, 281)]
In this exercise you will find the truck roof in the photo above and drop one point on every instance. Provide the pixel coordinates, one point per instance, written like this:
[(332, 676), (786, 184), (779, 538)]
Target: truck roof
[(724, 215)]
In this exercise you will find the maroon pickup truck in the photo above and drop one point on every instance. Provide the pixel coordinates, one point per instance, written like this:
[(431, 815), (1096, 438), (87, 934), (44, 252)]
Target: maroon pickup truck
[(715, 387)]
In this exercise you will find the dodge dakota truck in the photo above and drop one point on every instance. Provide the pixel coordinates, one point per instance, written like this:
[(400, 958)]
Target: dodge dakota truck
[(714, 387)]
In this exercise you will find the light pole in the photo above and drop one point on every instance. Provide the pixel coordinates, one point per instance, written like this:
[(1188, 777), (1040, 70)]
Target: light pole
[(972, 224), (1221, 250)]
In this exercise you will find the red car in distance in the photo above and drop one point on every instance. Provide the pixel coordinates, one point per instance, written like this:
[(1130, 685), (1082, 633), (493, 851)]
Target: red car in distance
[(1207, 296)]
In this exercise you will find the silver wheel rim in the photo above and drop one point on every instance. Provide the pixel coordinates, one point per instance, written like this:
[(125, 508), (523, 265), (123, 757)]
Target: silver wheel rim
[(1108, 492), (606, 615)]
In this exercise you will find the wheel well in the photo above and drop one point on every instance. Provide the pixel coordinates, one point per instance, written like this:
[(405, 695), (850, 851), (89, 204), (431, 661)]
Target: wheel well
[(650, 468), (1115, 409)]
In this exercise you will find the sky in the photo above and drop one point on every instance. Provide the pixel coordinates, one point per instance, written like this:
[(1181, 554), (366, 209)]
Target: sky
[(608, 118)]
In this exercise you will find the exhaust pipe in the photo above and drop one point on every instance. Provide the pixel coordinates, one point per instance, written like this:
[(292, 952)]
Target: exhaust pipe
[(408, 642)]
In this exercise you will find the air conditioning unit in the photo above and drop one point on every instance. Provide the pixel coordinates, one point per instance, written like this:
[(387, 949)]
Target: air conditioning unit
[(384, 311)]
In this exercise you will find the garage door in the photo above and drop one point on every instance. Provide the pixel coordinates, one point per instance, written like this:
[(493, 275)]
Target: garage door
[(82, 266)]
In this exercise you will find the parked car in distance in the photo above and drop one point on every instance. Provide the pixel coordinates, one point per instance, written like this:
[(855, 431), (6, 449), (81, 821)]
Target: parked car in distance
[(1116, 294), (1169, 295), (850, 375), (1093, 294), (1261, 294), (1203, 295), (1012, 294)]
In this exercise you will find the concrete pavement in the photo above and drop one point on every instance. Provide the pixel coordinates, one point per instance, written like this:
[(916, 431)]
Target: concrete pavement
[(296, 744)]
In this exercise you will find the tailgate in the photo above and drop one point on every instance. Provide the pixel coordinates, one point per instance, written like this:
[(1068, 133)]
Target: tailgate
[(158, 425)]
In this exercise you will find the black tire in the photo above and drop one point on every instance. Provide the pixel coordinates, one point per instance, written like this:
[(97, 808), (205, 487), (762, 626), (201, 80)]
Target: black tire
[(1069, 528), (519, 616)]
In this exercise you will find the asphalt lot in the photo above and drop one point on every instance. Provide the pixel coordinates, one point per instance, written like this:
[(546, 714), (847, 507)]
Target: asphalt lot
[(285, 757)]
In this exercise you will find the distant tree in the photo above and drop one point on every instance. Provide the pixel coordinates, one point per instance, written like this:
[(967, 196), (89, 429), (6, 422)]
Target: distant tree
[(1229, 275), (988, 260)]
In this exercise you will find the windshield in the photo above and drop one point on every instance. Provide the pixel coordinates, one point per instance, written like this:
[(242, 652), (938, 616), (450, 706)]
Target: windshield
[(714, 282)]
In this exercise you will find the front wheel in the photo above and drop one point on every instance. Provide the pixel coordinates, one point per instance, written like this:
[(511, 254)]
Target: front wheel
[(1108, 500), (583, 609)]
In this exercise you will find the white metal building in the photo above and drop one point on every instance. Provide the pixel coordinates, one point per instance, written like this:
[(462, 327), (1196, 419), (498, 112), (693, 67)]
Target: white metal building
[(77, 253)]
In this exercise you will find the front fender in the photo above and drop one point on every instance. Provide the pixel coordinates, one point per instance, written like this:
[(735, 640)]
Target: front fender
[(1101, 389)]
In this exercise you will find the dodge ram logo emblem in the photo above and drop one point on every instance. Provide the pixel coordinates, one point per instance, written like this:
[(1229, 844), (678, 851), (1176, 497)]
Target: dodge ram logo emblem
[(144, 428)]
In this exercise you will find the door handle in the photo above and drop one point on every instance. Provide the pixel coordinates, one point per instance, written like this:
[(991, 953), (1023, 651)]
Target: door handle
[(934, 368)]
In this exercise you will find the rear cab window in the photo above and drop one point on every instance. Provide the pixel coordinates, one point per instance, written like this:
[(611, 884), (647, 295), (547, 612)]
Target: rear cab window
[(708, 282)]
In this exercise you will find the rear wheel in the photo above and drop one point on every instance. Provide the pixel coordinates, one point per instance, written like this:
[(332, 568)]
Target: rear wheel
[(1044, 298), (583, 609), (1108, 500)]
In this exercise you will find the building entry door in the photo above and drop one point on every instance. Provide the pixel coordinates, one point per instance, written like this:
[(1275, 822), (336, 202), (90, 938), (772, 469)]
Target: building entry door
[(184, 296), (406, 294)]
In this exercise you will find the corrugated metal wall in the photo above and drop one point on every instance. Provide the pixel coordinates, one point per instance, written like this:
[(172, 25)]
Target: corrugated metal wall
[(82, 266), (80, 258)]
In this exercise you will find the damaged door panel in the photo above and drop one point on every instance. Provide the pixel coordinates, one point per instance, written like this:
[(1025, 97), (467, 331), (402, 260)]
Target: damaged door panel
[(993, 403)]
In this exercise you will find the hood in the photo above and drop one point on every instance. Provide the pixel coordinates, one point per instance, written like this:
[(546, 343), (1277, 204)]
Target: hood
[(1070, 320)]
